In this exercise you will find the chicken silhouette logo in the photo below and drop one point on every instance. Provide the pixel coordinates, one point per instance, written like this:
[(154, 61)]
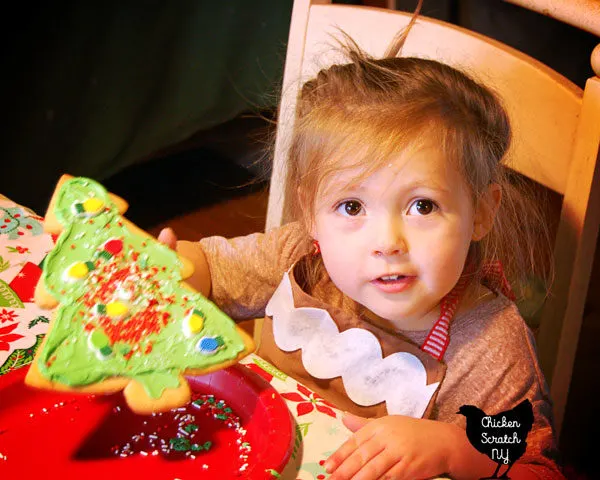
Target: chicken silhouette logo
[(502, 437)]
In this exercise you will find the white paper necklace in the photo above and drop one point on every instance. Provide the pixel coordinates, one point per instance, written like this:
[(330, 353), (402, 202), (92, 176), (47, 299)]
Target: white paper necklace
[(400, 379)]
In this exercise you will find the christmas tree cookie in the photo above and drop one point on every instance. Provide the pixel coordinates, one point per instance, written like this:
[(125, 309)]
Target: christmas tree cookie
[(124, 320)]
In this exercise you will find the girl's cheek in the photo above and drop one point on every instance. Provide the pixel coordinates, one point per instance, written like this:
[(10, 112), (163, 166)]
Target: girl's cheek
[(342, 226)]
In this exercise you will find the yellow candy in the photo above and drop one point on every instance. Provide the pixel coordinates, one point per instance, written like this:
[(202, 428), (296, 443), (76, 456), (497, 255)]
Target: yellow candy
[(116, 309), (93, 205), (195, 323), (78, 270)]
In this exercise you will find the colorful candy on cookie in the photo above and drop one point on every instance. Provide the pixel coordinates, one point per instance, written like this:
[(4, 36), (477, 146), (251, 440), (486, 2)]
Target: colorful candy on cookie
[(123, 319)]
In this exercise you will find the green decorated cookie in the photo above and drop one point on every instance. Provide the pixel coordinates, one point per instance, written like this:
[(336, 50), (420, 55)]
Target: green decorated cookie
[(123, 317)]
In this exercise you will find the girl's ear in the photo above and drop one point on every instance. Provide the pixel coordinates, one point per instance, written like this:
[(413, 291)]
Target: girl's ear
[(485, 211), (305, 200)]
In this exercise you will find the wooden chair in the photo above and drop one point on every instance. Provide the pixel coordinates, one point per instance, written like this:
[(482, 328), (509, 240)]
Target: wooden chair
[(556, 135)]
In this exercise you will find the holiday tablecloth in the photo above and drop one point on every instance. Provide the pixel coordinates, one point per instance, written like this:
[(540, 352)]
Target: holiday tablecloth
[(318, 423), (23, 248)]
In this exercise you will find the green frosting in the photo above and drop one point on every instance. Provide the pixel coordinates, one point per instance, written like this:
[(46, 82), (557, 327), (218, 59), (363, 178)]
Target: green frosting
[(149, 343)]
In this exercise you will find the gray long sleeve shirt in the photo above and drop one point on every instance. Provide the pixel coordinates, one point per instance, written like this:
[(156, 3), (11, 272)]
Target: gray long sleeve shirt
[(491, 358)]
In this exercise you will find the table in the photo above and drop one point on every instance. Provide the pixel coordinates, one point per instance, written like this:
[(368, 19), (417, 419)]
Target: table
[(23, 247)]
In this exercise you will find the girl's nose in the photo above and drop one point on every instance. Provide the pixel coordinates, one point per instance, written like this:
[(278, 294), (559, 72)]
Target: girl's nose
[(389, 239)]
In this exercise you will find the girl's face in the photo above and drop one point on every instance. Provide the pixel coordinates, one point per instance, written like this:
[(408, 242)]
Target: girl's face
[(397, 241)]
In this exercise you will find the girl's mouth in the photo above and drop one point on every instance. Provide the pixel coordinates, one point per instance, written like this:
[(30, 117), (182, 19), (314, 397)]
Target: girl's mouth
[(391, 278), (393, 283)]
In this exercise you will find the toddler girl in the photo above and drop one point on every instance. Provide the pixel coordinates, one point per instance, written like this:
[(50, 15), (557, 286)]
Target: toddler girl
[(385, 295)]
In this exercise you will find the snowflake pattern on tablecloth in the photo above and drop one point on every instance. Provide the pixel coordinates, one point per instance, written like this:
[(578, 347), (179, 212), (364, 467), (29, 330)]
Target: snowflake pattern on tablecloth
[(15, 221)]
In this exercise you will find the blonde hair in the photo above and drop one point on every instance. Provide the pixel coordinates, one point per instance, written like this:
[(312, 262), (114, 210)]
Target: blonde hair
[(379, 107)]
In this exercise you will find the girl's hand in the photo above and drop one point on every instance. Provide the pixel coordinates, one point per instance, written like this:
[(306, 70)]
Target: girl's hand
[(392, 447), (167, 237), (200, 279)]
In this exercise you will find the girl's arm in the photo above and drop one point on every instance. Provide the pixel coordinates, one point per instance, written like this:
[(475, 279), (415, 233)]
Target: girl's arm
[(240, 274), (200, 279)]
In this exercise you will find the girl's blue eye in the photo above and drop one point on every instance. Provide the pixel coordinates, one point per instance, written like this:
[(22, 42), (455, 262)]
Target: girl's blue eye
[(350, 208), (422, 206)]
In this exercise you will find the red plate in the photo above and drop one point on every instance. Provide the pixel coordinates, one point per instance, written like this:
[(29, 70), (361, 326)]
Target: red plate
[(53, 435)]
